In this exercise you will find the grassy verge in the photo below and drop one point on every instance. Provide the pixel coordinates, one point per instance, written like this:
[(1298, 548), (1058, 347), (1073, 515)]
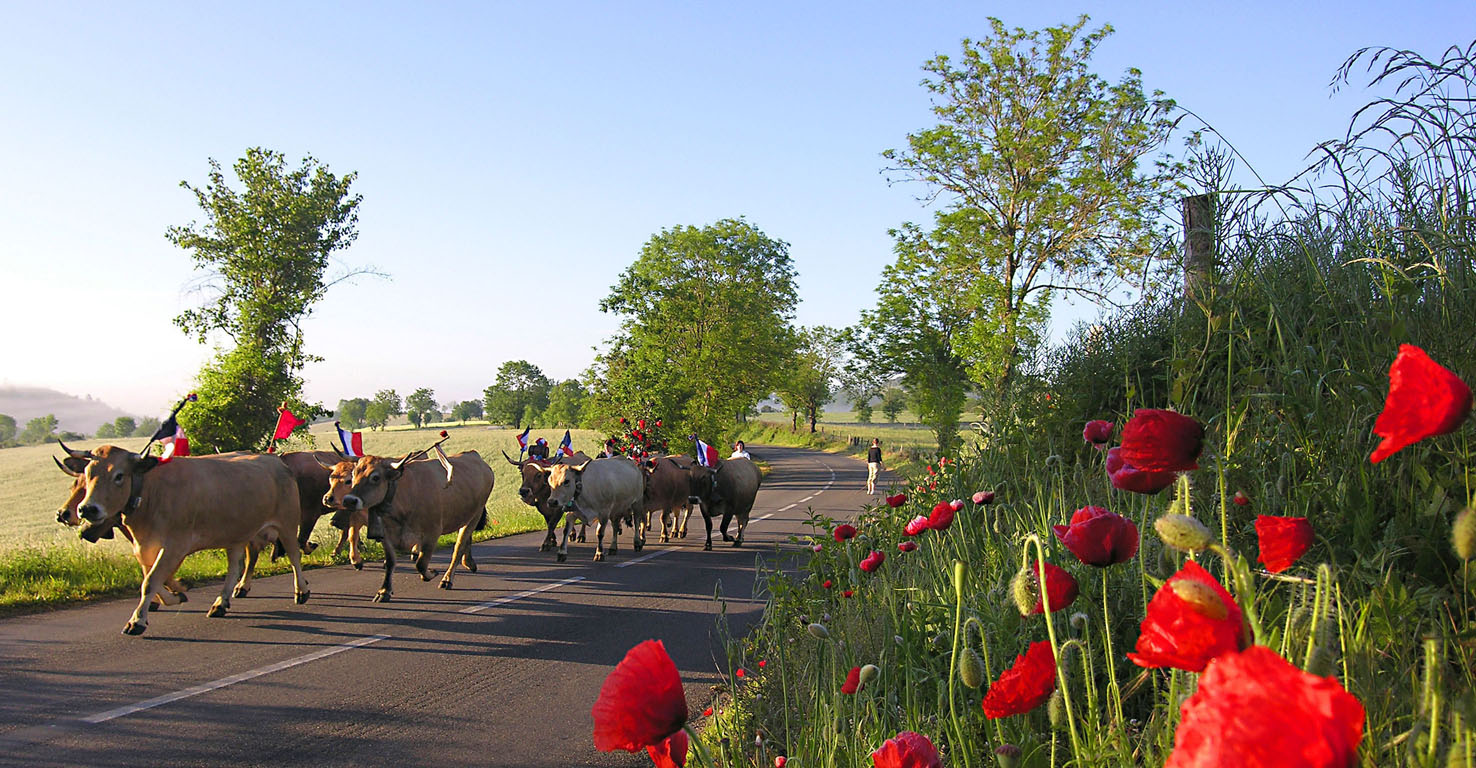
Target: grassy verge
[(44, 565), (900, 460)]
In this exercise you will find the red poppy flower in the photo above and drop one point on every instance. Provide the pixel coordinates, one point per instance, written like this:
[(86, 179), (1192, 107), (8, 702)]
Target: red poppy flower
[(828, 584), (941, 517), (906, 546), (897, 500), (641, 702), (853, 681), (907, 750), (1098, 537), (845, 531), (983, 497), (739, 672), (1186, 632), (1241, 714), (781, 761), (707, 712), (873, 561), (1425, 399), (763, 663), (847, 593), (1156, 440), (916, 525), (1282, 540), (671, 753), (1097, 432), (1240, 499), (1126, 477), (1060, 587), (932, 471), (1024, 686)]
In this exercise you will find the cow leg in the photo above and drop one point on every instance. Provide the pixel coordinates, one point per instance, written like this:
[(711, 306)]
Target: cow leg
[(742, 526), (305, 533), (463, 544), (173, 592), (564, 545), (707, 521), (550, 543), (243, 585), (387, 590), (683, 515), (614, 524), (422, 561), (727, 518), (164, 567), (356, 547), (235, 563), (583, 528), (343, 539), (600, 540), (642, 524), (300, 591)]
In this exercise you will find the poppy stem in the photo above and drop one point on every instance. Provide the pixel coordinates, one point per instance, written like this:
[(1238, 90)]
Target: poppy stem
[(1045, 600), (1245, 589), (958, 579), (1112, 688), (988, 669)]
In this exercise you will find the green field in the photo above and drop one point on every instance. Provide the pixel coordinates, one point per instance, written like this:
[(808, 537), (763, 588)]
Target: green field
[(905, 434), (44, 563)]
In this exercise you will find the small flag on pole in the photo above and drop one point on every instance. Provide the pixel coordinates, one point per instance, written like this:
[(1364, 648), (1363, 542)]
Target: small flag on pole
[(175, 444), (523, 440), (286, 422), (707, 455), (566, 447), (353, 442)]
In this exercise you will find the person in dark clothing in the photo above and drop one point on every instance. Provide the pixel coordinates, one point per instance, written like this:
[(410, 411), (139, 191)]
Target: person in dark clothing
[(873, 465)]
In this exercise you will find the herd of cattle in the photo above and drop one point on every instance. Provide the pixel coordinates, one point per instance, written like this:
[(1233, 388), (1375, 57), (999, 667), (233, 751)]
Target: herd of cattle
[(242, 502)]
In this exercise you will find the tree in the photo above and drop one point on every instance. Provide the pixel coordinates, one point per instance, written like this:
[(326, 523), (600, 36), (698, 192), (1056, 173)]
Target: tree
[(705, 330), (520, 386), (147, 426), (466, 410), (420, 406), (384, 406), (123, 426), (351, 412), (7, 428), (265, 251), (812, 376), (39, 430), (894, 402), (863, 410), (1037, 162), (106, 431), (565, 404), (923, 305)]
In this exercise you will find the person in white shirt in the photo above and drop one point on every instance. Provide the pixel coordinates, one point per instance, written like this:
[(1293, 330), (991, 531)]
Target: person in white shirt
[(739, 451)]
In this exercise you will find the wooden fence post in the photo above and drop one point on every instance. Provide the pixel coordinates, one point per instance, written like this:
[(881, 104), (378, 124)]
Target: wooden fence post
[(1199, 248)]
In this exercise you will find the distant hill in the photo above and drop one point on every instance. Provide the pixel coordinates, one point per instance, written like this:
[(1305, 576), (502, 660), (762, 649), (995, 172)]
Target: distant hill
[(76, 414)]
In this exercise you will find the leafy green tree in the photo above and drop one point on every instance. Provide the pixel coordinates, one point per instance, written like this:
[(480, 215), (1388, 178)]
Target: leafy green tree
[(894, 402), (106, 431), (147, 426), (265, 251), (864, 410), (351, 412), (706, 329), (420, 406), (520, 388), (123, 426), (384, 406), (7, 428), (39, 430), (1039, 165), (565, 404), (466, 410), (813, 375)]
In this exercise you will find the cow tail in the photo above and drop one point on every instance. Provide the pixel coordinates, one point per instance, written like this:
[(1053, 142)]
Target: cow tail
[(277, 550), (482, 523)]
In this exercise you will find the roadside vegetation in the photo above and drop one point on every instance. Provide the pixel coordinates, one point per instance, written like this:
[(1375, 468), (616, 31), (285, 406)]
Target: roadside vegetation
[(1285, 364)]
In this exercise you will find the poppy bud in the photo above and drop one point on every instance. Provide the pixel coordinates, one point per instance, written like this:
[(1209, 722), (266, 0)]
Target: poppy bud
[(957, 504), (818, 631), (1463, 534), (868, 673), (1079, 621), (1182, 532), (1022, 589), (971, 668), (781, 761), (1008, 755), (984, 497), (1056, 710), (1241, 499), (1201, 597)]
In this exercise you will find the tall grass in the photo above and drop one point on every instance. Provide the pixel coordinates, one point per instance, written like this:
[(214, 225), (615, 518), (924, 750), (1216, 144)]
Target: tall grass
[(1286, 364)]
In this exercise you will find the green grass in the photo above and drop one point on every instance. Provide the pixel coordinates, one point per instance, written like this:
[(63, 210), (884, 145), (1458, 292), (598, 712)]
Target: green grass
[(43, 563), (914, 438)]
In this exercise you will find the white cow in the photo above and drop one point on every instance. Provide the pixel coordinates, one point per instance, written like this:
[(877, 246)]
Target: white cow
[(602, 490)]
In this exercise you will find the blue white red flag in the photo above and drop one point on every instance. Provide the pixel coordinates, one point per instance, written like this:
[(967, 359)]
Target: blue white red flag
[(566, 446), (523, 440), (707, 455), (353, 442)]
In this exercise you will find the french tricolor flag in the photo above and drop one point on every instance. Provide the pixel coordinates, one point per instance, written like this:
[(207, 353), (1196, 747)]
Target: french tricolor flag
[(523, 440), (566, 447), (353, 442), (707, 455)]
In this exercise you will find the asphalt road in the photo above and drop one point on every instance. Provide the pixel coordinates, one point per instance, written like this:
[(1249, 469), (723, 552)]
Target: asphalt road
[(500, 671)]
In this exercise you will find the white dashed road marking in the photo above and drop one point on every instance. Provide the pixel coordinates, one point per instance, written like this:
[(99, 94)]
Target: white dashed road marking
[(645, 557), (519, 596)]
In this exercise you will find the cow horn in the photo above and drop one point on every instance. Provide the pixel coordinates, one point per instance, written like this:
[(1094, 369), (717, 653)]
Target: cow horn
[(63, 467), (518, 464), (72, 453), (340, 453), (323, 464), (398, 465)]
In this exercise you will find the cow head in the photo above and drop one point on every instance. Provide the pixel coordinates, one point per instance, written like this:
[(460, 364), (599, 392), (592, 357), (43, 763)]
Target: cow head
[(703, 481), (369, 484), (534, 490), (340, 480), (76, 467), (564, 482), (109, 481)]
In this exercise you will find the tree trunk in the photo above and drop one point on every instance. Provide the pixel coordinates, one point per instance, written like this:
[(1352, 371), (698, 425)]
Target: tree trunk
[(812, 420), (1199, 248)]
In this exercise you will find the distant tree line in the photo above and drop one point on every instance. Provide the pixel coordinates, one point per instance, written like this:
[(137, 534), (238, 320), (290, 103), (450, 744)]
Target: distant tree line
[(521, 396)]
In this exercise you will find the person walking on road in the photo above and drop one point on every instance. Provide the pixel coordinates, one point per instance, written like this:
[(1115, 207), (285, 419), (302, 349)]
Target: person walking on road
[(873, 465), (740, 451)]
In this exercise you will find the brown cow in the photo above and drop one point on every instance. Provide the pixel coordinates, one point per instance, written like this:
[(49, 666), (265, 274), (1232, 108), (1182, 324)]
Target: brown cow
[(534, 491), (730, 489), (311, 468), (417, 502), (192, 503), (669, 491)]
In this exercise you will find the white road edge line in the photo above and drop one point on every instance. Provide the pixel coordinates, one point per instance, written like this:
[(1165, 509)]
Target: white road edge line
[(807, 498), (764, 517), (113, 714), (645, 557), (787, 507), (519, 596)]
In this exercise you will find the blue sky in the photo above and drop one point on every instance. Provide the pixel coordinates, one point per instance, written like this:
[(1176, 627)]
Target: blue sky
[(513, 157)]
